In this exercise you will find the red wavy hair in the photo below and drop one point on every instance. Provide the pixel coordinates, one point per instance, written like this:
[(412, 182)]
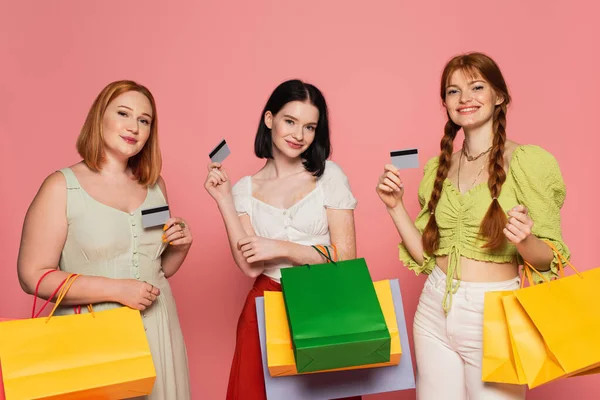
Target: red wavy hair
[(145, 165)]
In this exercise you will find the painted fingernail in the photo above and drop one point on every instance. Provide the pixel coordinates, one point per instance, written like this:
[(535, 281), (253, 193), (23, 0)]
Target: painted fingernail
[(171, 243), (165, 227)]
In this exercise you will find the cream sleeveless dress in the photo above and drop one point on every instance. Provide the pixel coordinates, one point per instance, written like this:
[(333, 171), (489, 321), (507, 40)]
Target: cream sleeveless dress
[(105, 241)]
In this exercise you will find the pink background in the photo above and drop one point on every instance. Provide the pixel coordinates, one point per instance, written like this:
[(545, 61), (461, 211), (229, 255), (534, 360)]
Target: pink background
[(211, 66)]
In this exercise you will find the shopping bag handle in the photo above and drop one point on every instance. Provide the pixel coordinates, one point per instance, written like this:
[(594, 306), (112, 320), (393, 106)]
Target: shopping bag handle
[(527, 271), (561, 256), (528, 267), (328, 255), (35, 295), (63, 292)]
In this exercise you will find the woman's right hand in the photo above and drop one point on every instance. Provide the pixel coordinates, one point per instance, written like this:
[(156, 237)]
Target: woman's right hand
[(389, 187), (217, 182), (136, 294)]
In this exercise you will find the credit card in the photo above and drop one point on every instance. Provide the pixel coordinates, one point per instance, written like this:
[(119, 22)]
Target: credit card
[(403, 159), (156, 216), (220, 153)]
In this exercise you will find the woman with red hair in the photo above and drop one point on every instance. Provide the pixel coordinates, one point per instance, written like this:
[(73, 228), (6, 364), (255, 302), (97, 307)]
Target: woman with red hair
[(86, 219), (484, 209)]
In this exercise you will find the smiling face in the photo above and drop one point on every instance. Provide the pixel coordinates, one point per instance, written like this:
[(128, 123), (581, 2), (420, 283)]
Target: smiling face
[(126, 124), (470, 100), (292, 128)]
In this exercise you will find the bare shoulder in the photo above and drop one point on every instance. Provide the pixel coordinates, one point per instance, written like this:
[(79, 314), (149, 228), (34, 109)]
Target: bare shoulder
[(54, 184), (162, 185), (261, 178), (509, 148), (456, 156), (454, 161), (52, 194), (80, 169), (261, 174)]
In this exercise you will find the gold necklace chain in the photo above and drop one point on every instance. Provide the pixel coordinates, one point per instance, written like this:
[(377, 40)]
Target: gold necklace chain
[(458, 173), (465, 150)]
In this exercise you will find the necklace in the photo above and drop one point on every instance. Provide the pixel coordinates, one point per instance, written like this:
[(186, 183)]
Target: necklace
[(458, 173), (465, 150)]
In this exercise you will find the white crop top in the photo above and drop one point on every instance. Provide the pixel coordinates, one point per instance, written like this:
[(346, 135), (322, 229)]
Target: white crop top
[(303, 223)]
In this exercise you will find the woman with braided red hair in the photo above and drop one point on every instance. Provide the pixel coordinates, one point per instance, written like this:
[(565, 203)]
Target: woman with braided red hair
[(484, 209)]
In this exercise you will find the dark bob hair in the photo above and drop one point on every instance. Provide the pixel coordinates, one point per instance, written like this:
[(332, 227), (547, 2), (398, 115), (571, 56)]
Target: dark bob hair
[(295, 90)]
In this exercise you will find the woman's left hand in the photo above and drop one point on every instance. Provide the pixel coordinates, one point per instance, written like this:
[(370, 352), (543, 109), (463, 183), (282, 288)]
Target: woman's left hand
[(519, 225), (256, 248), (177, 233)]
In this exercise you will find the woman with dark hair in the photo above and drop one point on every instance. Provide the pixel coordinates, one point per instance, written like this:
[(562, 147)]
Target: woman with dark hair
[(297, 199), (462, 237)]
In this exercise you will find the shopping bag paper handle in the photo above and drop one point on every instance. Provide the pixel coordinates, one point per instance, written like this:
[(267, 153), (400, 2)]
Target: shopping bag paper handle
[(327, 256), (560, 256), (35, 295), (528, 267), (61, 287), (63, 292), (527, 272)]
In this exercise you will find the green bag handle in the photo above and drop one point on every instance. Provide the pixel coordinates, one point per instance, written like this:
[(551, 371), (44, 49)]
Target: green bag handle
[(327, 256)]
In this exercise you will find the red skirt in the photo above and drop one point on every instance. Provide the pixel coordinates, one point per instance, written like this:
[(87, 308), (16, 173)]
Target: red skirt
[(246, 379)]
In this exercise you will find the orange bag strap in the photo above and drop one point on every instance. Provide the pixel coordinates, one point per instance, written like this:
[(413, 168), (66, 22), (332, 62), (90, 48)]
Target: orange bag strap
[(560, 256), (64, 288), (528, 267), (321, 250), (526, 274), (61, 295), (336, 255)]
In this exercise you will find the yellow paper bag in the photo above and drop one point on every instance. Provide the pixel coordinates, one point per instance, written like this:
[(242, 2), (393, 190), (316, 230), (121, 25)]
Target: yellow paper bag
[(499, 362), (565, 313), (538, 365), (2, 397), (549, 326), (97, 355), (280, 353)]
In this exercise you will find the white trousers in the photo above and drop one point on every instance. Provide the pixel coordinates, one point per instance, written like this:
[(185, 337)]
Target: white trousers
[(448, 349)]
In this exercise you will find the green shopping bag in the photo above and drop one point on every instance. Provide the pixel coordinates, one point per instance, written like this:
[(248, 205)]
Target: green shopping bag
[(334, 316)]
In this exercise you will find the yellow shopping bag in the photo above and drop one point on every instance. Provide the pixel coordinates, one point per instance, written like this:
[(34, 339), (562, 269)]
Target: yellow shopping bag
[(280, 353), (536, 364), (506, 328), (1, 384), (566, 316), (499, 361), (97, 355)]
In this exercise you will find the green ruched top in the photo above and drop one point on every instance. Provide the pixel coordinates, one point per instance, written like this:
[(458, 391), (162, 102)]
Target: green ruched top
[(533, 179)]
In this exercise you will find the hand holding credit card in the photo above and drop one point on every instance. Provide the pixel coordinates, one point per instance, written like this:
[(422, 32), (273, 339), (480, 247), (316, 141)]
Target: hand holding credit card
[(220, 152), (404, 159)]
